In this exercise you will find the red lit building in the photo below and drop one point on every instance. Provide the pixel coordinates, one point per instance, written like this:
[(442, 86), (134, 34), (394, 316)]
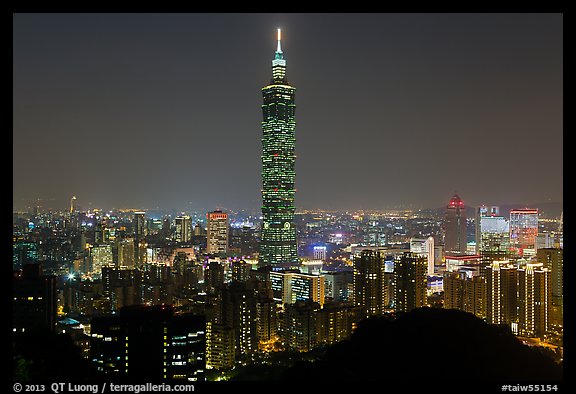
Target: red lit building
[(455, 226), (523, 231)]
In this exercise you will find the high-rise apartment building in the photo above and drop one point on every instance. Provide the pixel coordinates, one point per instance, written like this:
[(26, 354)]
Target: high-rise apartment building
[(465, 292), (149, 342), (501, 293), (125, 252), (100, 256), (240, 271), (34, 305), (266, 322), (301, 326), (369, 292), (553, 260), (217, 239), (214, 276), (410, 282), (239, 312), (278, 247), (534, 295), (220, 349)]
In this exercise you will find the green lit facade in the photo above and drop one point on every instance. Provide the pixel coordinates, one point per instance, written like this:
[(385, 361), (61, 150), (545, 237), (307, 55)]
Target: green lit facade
[(278, 242)]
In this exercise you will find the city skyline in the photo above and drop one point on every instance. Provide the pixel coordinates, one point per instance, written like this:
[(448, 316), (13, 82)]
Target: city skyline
[(389, 106)]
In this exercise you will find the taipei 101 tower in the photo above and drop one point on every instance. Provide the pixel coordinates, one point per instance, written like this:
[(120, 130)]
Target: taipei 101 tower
[(278, 247)]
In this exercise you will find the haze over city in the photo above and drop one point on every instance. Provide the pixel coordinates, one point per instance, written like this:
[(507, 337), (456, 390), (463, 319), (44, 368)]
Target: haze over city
[(164, 110)]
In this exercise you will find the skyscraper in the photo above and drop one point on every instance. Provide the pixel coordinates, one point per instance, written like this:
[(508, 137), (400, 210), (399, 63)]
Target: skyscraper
[(183, 233), (455, 226), (534, 300), (501, 293), (278, 246), (139, 234), (217, 241), (492, 235), (369, 282), (72, 205), (100, 256), (523, 231)]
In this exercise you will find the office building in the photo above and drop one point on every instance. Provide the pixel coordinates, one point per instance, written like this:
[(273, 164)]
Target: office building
[(456, 262), (492, 234), (336, 285), (217, 235), (313, 267), (523, 231), (183, 231), (424, 247), (278, 247), (455, 226), (291, 286), (23, 253), (320, 253), (545, 241)]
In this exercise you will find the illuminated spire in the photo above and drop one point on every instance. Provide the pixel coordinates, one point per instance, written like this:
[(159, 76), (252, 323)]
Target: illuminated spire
[(279, 49), (279, 64)]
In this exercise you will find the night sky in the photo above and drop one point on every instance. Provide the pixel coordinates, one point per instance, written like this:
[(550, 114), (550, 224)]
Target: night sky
[(163, 110)]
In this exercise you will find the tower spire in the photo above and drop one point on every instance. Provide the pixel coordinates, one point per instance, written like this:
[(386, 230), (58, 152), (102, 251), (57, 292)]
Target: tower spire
[(279, 64), (279, 48)]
